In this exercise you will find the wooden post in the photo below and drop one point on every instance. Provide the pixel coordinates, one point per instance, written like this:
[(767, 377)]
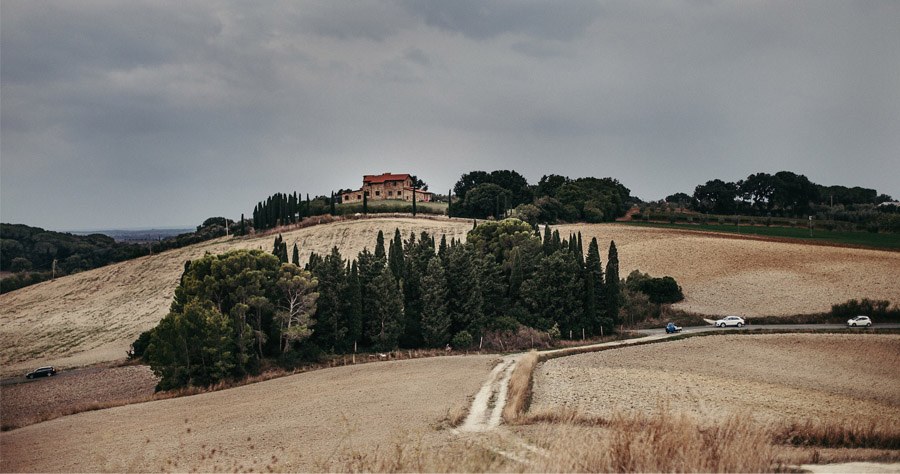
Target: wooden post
[(582, 334), (480, 342)]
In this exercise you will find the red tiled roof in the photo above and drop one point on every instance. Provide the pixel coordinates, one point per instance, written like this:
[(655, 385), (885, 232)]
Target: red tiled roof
[(381, 178)]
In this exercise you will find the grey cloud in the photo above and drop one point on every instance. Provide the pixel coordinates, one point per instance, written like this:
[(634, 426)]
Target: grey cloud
[(154, 113)]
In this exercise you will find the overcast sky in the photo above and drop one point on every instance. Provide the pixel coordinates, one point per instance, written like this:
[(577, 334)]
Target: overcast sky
[(141, 114)]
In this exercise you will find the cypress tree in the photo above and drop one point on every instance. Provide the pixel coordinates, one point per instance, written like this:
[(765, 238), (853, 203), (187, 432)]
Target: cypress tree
[(547, 245), (435, 317), (331, 326), (295, 258), (594, 298), (414, 200), (395, 256), (613, 292), (365, 202), (332, 208), (379, 246), (353, 308), (243, 229), (308, 209), (442, 249), (450, 203), (385, 310)]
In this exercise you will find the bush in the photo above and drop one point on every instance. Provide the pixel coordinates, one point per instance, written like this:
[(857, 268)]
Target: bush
[(462, 340), (880, 309)]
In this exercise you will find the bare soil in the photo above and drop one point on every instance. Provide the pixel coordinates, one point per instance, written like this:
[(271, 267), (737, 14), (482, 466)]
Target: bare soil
[(28, 402), (94, 316), (776, 377), (298, 423)]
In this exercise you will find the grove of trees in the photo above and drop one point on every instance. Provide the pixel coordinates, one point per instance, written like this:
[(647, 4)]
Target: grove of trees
[(233, 311)]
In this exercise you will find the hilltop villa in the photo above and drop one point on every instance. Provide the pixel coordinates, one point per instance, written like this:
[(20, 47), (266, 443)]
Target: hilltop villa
[(386, 186)]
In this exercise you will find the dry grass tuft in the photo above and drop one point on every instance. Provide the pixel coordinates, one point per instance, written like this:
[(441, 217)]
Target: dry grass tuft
[(518, 395), (872, 432)]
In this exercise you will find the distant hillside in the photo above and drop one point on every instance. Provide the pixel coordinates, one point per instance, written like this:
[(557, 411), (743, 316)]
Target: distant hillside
[(139, 236), (94, 316)]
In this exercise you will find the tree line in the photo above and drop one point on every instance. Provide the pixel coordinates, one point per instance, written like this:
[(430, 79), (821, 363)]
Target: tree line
[(34, 255), (781, 194), (555, 198), (233, 311)]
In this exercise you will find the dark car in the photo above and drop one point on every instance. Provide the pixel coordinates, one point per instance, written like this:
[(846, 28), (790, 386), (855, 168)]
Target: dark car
[(671, 328), (41, 372)]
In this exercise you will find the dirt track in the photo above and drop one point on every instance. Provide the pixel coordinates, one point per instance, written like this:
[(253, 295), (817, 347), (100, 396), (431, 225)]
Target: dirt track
[(296, 423), (93, 316)]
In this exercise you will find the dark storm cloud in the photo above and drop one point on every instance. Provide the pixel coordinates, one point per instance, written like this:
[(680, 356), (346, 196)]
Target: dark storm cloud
[(154, 113)]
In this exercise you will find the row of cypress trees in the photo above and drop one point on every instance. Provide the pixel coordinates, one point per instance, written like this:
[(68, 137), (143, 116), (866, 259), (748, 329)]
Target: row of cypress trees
[(413, 293)]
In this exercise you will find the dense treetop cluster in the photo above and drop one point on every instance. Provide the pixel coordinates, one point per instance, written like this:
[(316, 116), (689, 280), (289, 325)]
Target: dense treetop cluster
[(233, 311)]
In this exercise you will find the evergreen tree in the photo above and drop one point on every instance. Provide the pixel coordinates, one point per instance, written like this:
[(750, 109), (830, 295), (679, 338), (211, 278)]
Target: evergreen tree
[(332, 324), (548, 241), (365, 202), (595, 305), (442, 249), (386, 311), (553, 295), (414, 200), (435, 316), (379, 246), (450, 203), (613, 291), (243, 229), (295, 258), (353, 308), (331, 204), (395, 256)]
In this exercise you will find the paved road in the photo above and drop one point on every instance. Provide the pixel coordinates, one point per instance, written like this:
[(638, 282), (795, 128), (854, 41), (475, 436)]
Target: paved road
[(783, 327)]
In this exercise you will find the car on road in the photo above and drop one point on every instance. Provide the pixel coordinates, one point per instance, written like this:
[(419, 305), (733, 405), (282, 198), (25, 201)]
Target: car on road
[(730, 321), (41, 372), (671, 328), (859, 321)]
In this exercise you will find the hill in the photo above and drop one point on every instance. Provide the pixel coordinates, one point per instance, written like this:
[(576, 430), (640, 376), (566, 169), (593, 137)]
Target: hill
[(94, 316)]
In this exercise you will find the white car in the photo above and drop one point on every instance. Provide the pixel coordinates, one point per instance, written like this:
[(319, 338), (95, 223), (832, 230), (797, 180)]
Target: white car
[(859, 321), (730, 321)]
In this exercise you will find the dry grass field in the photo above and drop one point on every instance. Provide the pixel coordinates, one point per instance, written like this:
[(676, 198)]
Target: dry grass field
[(298, 423), (728, 274), (94, 316), (774, 377)]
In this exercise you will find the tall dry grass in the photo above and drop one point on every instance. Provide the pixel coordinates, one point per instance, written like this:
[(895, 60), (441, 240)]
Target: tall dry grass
[(866, 432), (518, 394), (627, 443)]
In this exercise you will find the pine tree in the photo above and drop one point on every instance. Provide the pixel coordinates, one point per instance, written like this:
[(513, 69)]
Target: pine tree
[(613, 292), (435, 317), (295, 258)]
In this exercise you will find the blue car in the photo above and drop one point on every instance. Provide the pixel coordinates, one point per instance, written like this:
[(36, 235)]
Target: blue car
[(671, 328)]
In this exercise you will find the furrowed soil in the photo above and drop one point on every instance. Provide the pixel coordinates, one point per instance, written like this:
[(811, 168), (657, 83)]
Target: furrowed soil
[(94, 316), (773, 378), (299, 423)]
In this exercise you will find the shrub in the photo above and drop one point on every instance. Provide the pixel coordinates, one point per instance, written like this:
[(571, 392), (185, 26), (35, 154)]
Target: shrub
[(880, 309), (462, 340)]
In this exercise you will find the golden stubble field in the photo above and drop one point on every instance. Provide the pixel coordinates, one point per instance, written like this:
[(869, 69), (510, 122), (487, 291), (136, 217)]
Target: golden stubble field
[(771, 378), (94, 316), (300, 423)]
